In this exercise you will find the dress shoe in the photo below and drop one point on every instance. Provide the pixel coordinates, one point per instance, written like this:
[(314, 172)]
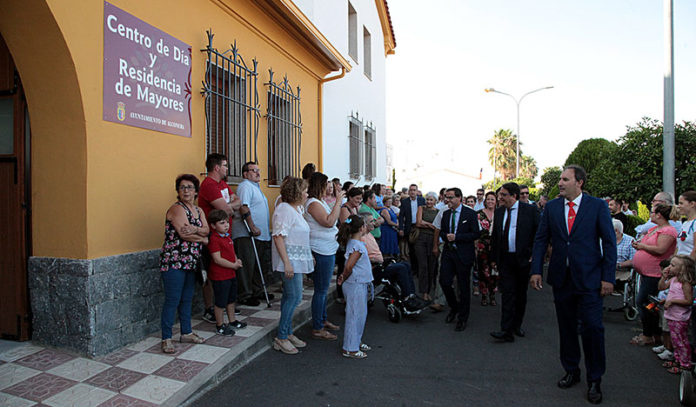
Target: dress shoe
[(503, 336), (569, 380), (450, 317), (594, 393), (461, 325), (520, 332)]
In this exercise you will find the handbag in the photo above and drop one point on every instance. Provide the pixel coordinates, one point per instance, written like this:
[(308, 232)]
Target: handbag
[(413, 235)]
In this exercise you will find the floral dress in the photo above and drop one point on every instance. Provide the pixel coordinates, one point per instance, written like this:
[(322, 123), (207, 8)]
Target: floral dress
[(177, 253), (488, 278)]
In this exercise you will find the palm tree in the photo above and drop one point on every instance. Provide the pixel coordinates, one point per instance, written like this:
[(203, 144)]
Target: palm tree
[(503, 154), (528, 167)]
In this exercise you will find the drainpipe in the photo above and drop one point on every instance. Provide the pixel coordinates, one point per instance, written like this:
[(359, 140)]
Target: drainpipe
[(320, 164)]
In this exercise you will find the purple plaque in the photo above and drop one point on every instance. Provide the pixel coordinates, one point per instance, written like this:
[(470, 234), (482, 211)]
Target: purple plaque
[(147, 75)]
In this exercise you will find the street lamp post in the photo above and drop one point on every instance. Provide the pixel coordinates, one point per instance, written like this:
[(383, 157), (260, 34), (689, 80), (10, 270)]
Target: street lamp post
[(517, 102)]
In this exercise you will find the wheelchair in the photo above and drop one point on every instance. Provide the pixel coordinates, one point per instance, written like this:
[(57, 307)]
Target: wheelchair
[(390, 293), (629, 306)]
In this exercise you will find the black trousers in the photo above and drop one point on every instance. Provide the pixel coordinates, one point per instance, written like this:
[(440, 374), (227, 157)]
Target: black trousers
[(452, 266), (513, 284)]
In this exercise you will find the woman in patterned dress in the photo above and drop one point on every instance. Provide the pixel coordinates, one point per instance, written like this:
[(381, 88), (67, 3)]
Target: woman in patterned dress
[(487, 276)]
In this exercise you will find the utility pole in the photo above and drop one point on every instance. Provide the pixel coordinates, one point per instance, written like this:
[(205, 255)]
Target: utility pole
[(668, 125)]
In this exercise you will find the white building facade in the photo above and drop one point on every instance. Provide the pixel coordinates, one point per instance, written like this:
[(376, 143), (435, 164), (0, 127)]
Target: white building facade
[(353, 112)]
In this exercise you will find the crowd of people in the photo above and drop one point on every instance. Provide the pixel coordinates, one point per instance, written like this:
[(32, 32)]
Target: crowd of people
[(435, 246)]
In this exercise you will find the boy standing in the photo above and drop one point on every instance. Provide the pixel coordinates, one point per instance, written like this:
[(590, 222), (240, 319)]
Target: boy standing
[(222, 274)]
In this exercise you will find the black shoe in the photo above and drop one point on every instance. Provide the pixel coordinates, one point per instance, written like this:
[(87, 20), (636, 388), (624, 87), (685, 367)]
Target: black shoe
[(450, 317), (503, 336), (594, 393), (238, 324), (520, 332), (461, 325), (237, 311), (209, 315), (251, 302), (224, 330), (569, 380)]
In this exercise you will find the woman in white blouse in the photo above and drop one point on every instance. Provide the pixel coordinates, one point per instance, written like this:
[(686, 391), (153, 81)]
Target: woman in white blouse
[(322, 239), (291, 256)]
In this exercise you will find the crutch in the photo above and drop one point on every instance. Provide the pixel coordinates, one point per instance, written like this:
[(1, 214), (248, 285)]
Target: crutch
[(256, 255)]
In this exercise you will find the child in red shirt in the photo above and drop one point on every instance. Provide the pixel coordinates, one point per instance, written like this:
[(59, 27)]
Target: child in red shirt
[(222, 274)]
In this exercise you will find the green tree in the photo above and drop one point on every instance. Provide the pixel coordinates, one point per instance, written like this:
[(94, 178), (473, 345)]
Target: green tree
[(503, 153), (493, 185), (638, 160), (595, 156), (528, 167), (550, 179)]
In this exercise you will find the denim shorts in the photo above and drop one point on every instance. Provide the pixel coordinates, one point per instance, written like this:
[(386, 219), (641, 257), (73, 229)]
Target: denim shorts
[(225, 292)]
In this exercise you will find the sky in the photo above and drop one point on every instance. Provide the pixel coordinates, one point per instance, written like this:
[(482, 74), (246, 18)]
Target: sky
[(604, 58)]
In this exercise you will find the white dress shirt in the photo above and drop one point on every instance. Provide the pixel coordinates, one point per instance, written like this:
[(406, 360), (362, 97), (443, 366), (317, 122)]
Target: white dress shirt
[(512, 233), (576, 201)]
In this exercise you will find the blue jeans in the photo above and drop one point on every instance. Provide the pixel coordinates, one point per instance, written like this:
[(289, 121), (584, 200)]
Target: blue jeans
[(178, 294), (292, 295), (323, 270)]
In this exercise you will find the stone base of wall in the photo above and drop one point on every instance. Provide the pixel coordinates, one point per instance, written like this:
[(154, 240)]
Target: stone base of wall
[(96, 306)]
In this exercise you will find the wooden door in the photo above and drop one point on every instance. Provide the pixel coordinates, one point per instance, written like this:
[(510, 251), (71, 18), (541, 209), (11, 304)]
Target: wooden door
[(14, 202)]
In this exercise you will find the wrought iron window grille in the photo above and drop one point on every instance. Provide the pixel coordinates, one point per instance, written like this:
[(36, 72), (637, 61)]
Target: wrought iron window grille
[(284, 130), (232, 108), (370, 151), (356, 145)]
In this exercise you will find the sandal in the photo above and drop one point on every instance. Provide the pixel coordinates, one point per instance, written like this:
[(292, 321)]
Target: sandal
[(642, 340), (365, 347), (323, 334), (484, 300), (677, 369), (296, 342), (284, 346), (492, 302), (192, 338), (167, 346), (331, 326), (354, 355)]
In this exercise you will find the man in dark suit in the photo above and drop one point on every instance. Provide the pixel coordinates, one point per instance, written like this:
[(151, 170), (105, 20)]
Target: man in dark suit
[(407, 220), (459, 229), (581, 272), (511, 251)]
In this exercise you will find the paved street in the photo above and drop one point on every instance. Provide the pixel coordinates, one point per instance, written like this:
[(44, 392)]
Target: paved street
[(422, 361)]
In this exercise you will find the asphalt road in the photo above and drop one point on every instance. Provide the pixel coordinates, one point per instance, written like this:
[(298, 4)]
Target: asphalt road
[(422, 361)]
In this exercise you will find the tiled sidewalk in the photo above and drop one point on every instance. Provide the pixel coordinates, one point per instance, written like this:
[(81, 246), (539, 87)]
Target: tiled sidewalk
[(139, 374)]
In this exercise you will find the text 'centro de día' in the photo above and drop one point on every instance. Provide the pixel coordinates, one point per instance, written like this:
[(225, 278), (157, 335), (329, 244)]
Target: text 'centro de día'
[(134, 35)]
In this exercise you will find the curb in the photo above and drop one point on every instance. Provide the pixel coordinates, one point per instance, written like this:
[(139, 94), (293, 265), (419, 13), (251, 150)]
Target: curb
[(234, 360)]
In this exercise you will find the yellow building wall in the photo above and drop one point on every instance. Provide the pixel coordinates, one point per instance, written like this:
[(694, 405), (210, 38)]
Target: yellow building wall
[(130, 171)]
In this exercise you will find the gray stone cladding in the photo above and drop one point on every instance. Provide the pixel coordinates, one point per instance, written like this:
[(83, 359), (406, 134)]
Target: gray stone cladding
[(96, 306)]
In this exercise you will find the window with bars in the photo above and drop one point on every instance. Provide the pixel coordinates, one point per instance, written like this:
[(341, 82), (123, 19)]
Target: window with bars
[(355, 141), (284, 131), (370, 152), (231, 107)]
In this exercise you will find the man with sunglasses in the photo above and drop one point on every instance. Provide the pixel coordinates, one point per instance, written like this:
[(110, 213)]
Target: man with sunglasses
[(253, 210)]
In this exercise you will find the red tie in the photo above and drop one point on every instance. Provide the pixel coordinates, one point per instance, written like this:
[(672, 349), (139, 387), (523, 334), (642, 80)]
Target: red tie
[(571, 216)]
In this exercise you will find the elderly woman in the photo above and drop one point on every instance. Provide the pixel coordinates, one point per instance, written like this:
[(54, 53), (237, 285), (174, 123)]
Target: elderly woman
[(389, 243), (322, 240), (292, 256), (658, 244), (488, 278), (624, 255), (424, 245), (185, 233)]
